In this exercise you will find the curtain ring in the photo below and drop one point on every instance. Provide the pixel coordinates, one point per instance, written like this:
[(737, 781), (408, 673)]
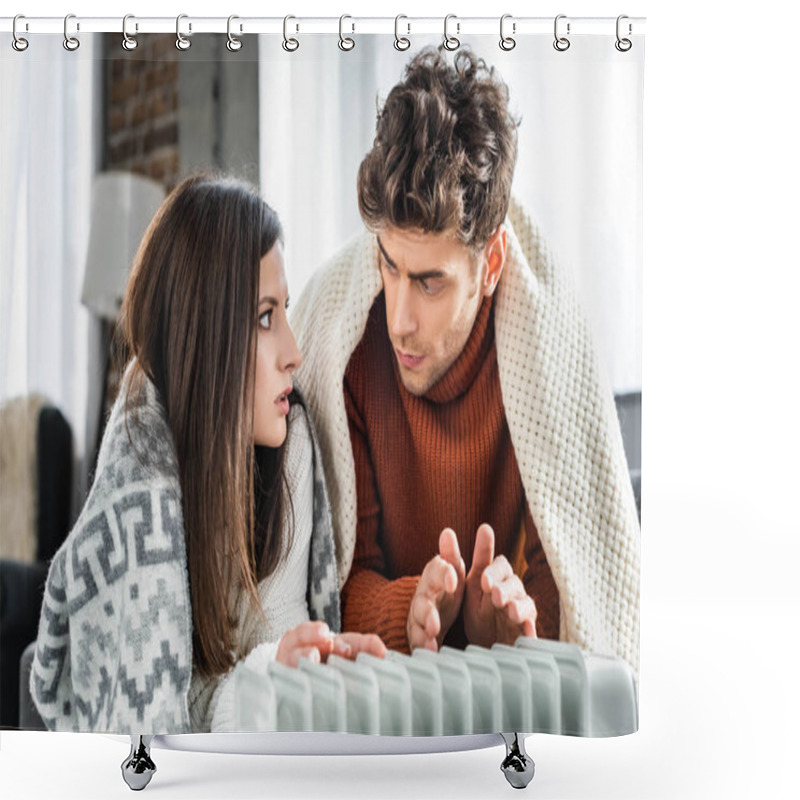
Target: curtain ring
[(289, 45), (128, 42), (401, 43), (182, 43), (507, 42), (451, 42), (70, 42), (233, 44), (345, 42), (623, 45), (561, 43), (19, 44)]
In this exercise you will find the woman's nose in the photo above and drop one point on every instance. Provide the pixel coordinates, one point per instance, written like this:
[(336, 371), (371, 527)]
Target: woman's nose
[(293, 358)]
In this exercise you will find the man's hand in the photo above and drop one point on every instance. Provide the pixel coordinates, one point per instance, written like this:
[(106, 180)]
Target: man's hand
[(496, 606), (437, 601)]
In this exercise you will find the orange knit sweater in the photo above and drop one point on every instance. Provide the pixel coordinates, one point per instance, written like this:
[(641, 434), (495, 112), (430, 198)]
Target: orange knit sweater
[(422, 464)]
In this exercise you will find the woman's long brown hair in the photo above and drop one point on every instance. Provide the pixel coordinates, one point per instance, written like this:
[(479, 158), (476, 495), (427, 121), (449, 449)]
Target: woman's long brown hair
[(189, 317)]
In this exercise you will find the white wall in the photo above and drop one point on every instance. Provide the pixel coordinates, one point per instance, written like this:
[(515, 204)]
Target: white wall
[(578, 169)]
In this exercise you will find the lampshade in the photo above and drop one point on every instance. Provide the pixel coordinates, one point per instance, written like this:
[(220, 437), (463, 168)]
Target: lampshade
[(122, 206)]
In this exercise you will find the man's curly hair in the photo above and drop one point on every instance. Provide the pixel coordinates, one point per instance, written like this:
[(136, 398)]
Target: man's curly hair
[(444, 151)]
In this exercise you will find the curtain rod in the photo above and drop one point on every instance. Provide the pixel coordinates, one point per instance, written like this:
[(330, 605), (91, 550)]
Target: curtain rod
[(463, 26)]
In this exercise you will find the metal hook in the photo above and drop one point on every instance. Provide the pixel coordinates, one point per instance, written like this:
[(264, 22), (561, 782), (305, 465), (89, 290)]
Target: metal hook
[(289, 45), (401, 43), (233, 44), (623, 45), (507, 42), (70, 42), (19, 44), (182, 43), (561, 43), (451, 42), (346, 43), (128, 42)]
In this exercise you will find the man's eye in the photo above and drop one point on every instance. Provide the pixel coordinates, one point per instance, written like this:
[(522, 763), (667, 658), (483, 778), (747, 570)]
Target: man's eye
[(265, 320), (431, 287)]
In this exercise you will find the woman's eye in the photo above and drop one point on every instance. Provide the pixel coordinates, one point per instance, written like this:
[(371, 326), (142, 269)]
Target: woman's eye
[(265, 320)]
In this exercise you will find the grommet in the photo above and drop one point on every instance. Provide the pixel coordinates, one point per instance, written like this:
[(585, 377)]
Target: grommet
[(561, 43), (451, 42), (345, 42), (18, 43), (401, 43), (289, 44), (182, 43), (233, 44), (507, 42), (70, 42), (128, 42)]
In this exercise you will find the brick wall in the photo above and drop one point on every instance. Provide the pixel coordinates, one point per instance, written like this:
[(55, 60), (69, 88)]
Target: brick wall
[(142, 108)]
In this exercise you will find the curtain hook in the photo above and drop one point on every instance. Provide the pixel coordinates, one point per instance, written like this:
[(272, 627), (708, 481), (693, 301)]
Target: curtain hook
[(182, 43), (19, 44), (233, 44), (70, 42), (345, 42), (561, 43), (507, 42), (289, 45), (401, 43), (623, 45), (451, 42), (128, 42)]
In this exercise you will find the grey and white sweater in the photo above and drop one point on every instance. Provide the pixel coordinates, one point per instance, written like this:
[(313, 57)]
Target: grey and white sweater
[(114, 648)]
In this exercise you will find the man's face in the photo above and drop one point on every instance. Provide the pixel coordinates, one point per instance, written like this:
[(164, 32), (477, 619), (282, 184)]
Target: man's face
[(433, 286)]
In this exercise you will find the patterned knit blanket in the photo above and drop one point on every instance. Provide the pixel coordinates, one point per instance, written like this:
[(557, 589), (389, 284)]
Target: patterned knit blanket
[(114, 649), (560, 412)]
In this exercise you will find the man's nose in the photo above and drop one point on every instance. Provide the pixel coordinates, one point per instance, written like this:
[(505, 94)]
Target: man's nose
[(402, 320)]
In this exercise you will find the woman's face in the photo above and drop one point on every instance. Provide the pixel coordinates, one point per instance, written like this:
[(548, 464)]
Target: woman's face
[(277, 354)]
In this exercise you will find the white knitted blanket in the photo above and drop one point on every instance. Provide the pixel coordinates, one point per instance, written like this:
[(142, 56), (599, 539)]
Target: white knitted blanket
[(560, 412)]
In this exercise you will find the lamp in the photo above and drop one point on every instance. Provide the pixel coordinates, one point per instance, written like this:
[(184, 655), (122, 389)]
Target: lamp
[(122, 206)]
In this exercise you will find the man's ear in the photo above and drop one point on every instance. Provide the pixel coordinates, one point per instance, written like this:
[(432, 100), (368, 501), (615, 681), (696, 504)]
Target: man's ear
[(494, 255)]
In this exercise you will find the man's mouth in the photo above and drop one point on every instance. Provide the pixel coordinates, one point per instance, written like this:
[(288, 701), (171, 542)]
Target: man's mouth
[(409, 360)]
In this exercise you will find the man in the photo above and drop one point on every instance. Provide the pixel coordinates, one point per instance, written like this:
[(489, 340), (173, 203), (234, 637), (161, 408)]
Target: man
[(478, 482)]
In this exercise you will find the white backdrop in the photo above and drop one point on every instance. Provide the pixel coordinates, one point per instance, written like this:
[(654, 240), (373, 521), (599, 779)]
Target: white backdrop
[(578, 167), (719, 696), (48, 155)]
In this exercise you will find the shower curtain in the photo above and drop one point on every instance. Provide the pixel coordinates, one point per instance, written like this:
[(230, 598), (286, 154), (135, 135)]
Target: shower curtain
[(548, 455)]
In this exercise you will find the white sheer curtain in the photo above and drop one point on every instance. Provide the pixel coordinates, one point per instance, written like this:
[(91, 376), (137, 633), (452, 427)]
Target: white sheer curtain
[(578, 168), (50, 108)]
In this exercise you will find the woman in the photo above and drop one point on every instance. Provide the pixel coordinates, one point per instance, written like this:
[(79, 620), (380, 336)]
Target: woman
[(206, 534)]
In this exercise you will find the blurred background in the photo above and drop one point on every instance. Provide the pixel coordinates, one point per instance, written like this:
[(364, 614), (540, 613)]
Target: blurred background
[(93, 140)]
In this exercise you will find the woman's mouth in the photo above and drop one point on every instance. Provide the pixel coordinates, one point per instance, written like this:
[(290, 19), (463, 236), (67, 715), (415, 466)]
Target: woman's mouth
[(282, 401)]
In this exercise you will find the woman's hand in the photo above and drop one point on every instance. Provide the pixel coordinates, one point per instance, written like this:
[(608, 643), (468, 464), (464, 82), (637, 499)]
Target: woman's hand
[(362, 643), (314, 641)]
